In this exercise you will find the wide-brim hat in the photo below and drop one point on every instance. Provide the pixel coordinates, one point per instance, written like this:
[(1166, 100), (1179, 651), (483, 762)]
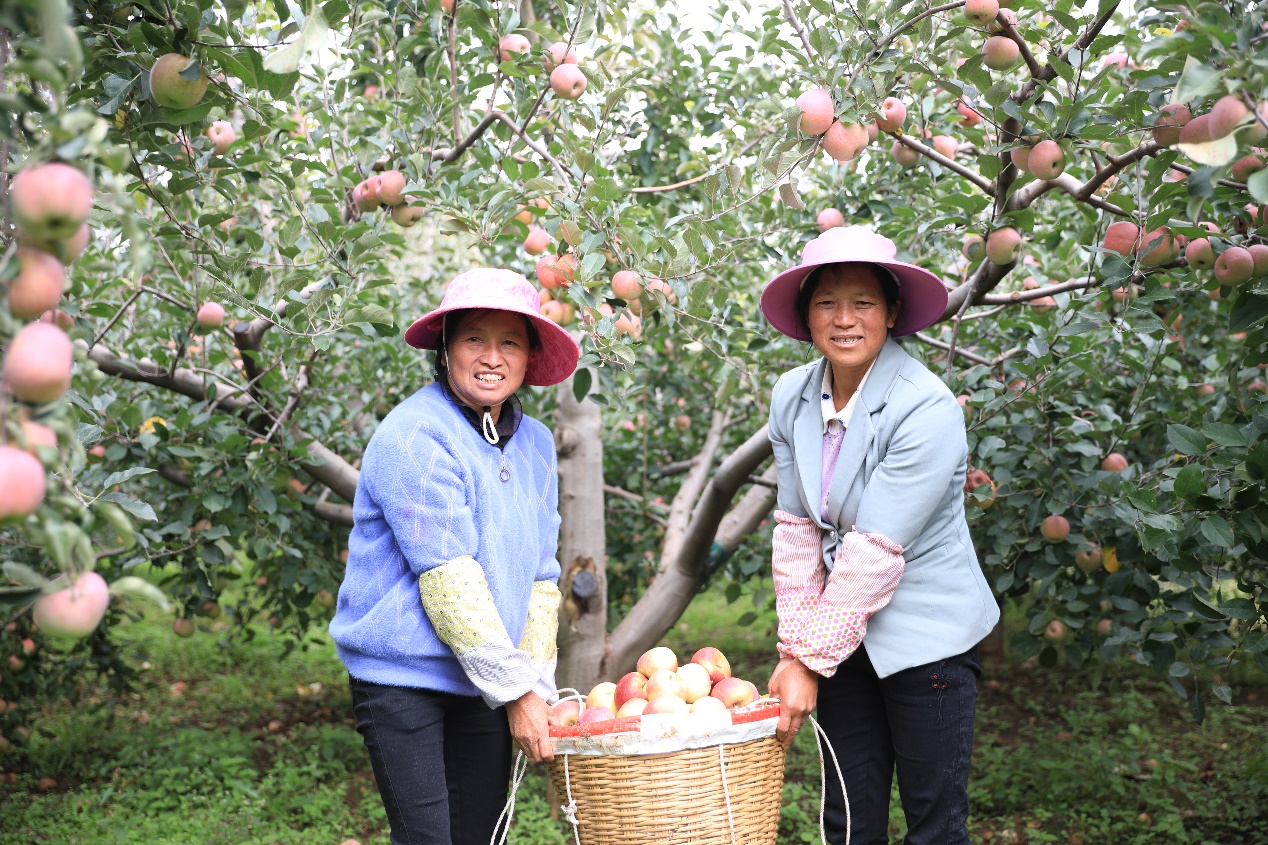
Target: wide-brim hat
[(923, 295), (503, 290)]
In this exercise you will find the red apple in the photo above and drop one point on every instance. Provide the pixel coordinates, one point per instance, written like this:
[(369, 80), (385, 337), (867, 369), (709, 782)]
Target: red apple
[(50, 201), (707, 704), (210, 315), (655, 659), (24, 484), (633, 707), (169, 88), (666, 682), (568, 82), (594, 715), (626, 285), (183, 627), (37, 364), (222, 136), (1088, 558), (1114, 462), (511, 44), (667, 704), (560, 54), (893, 114), (564, 714), (537, 241), (76, 609), (630, 686), (714, 662), (829, 218), (603, 696), (38, 284), (816, 111), (696, 681), (1055, 528), (734, 692)]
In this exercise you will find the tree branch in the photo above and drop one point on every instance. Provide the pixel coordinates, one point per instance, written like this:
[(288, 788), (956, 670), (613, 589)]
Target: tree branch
[(930, 153), (1037, 293), (797, 27), (908, 24), (689, 491), (669, 593), (324, 465)]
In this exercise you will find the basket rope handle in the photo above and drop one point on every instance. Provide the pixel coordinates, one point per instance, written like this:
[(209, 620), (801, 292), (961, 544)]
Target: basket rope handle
[(508, 809), (823, 783), (570, 809), (726, 792)]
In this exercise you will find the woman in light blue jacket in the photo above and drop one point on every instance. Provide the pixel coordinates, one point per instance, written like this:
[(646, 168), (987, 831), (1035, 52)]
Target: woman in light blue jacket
[(880, 596)]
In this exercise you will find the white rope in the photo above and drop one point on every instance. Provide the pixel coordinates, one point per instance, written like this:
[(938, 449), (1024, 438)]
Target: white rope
[(726, 793), (570, 809), (823, 784), (508, 809), (490, 430)]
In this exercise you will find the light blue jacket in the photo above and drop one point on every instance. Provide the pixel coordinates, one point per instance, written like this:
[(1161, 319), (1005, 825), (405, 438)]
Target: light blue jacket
[(900, 473)]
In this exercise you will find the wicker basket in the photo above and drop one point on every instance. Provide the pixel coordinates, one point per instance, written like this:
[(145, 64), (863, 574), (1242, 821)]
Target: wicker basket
[(678, 798)]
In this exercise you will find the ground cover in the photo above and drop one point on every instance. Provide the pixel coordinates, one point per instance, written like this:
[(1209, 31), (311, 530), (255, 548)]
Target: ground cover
[(249, 743)]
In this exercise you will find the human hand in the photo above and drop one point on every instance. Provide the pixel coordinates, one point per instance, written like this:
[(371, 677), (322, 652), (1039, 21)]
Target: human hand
[(797, 689), (529, 729)]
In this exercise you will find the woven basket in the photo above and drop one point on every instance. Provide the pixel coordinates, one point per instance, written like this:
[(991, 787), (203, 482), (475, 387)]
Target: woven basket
[(676, 798)]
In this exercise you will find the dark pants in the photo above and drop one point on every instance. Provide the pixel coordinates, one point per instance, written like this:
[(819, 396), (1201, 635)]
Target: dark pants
[(919, 720), (442, 762)]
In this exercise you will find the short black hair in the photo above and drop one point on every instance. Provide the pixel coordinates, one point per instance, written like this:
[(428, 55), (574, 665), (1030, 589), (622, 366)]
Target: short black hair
[(886, 279), (453, 319)]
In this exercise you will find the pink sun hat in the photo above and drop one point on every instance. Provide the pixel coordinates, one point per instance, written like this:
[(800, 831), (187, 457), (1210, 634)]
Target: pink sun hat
[(923, 295), (503, 290)]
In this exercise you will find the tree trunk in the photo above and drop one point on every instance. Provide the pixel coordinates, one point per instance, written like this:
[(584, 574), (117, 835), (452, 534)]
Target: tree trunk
[(583, 613)]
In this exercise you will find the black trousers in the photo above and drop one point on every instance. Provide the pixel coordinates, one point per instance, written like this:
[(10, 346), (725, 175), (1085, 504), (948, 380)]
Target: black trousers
[(918, 721), (442, 762)]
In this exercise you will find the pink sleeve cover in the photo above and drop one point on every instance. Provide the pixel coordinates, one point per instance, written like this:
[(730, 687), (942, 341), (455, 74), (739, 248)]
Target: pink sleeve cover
[(799, 574), (863, 579)]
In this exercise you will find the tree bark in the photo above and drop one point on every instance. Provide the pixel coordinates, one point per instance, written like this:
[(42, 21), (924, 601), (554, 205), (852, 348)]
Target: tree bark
[(583, 613)]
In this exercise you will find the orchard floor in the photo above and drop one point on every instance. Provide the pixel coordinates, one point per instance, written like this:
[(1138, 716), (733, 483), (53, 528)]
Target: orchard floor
[(242, 743)]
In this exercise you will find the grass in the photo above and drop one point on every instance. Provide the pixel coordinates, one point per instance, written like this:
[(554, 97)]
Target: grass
[(244, 742)]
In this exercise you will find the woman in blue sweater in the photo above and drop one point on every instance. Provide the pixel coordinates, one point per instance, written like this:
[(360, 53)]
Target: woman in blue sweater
[(447, 614)]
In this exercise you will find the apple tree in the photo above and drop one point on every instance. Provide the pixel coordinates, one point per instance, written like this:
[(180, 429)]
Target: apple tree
[(277, 187)]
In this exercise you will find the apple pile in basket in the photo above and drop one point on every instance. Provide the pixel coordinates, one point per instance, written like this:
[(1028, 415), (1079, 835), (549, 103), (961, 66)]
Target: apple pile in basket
[(660, 685)]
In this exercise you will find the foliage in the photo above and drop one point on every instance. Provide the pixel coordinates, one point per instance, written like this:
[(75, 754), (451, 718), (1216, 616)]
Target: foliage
[(197, 763), (233, 451)]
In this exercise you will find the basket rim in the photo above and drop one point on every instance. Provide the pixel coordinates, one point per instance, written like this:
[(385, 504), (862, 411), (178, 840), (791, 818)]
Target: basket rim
[(758, 711)]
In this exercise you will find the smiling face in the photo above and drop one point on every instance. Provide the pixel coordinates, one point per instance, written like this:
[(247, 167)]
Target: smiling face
[(849, 319), (487, 355)]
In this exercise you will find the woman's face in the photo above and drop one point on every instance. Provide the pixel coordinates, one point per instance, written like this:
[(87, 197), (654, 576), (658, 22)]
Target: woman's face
[(849, 319), (487, 356)]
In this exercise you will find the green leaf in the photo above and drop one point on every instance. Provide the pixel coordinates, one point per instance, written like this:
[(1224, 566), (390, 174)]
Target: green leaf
[(1249, 310), (1185, 440), (1255, 642), (1223, 693), (136, 507), (312, 36), (119, 477), (131, 585), (26, 576), (369, 314), (1189, 482), (1225, 434), (1196, 81), (1257, 184), (1238, 609), (1216, 529), (788, 194), (581, 384)]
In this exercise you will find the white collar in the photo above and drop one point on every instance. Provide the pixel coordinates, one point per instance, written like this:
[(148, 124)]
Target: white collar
[(829, 407)]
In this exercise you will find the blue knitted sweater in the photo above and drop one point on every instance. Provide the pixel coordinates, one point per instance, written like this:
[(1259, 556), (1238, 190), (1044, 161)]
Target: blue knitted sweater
[(450, 584)]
